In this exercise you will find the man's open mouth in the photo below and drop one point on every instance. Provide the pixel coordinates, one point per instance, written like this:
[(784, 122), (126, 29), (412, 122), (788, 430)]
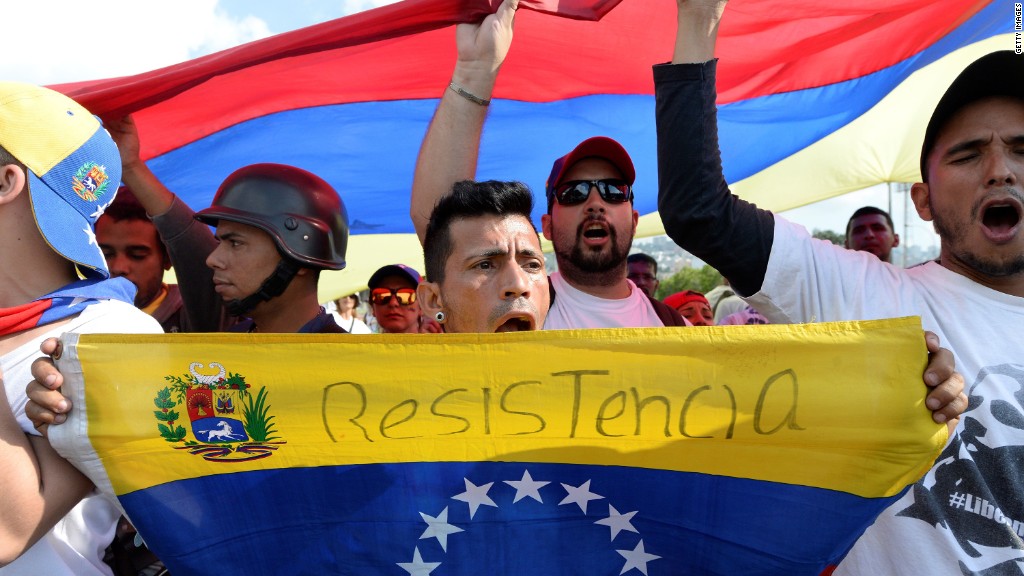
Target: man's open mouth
[(516, 324), (595, 230), (1001, 218)]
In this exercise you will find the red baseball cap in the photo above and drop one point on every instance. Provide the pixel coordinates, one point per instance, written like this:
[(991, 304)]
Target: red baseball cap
[(680, 299), (596, 147)]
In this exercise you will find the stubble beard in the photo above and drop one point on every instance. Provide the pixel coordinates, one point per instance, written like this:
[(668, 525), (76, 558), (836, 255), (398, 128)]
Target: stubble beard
[(953, 234)]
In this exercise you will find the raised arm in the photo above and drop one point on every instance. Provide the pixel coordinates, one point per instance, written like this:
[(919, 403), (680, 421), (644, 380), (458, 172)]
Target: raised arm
[(703, 216), (151, 192), (188, 241), (699, 212), (450, 148)]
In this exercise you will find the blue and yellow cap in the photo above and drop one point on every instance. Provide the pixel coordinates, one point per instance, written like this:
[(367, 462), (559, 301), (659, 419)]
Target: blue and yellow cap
[(73, 168)]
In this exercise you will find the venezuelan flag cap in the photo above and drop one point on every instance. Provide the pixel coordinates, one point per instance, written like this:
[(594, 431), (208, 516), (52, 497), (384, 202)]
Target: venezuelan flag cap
[(73, 168)]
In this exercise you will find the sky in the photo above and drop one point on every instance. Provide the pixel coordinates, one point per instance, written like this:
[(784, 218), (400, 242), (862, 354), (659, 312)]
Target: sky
[(150, 35)]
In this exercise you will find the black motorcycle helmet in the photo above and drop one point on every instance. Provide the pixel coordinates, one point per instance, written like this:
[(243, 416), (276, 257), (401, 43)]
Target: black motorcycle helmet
[(301, 212)]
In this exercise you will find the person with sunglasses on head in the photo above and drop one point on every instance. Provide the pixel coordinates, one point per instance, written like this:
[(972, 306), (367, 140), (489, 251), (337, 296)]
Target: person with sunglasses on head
[(590, 221), (393, 297)]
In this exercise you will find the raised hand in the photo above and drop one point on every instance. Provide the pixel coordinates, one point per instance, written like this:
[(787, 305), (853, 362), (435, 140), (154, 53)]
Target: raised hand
[(483, 46), (126, 136), (697, 30)]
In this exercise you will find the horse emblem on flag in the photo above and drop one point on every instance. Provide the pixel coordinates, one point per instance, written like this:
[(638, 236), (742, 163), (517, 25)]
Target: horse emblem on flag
[(226, 422)]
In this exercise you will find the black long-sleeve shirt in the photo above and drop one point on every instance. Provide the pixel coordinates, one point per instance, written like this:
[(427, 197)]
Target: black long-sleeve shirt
[(699, 212)]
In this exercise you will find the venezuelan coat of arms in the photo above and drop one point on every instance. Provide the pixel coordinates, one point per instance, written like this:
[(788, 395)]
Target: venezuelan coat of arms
[(227, 422)]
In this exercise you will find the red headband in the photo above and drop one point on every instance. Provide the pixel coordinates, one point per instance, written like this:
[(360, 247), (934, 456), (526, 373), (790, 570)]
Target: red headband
[(680, 299)]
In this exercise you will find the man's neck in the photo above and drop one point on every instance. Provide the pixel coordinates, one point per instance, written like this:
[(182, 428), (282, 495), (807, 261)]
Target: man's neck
[(21, 283), (30, 267), (280, 316), (1012, 284), (610, 285), (154, 302)]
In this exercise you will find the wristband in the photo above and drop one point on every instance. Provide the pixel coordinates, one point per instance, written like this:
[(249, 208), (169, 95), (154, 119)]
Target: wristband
[(468, 95)]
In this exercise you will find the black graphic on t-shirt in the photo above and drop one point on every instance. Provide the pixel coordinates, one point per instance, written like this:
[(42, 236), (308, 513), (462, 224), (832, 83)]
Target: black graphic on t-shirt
[(976, 488)]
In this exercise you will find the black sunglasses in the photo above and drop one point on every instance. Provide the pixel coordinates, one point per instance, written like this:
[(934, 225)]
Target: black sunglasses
[(611, 190)]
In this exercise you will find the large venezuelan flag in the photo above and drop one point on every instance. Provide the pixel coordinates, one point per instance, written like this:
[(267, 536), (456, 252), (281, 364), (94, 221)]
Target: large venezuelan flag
[(739, 450), (817, 99)]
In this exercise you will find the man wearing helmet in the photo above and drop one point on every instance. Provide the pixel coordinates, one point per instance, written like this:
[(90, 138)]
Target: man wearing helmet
[(277, 227)]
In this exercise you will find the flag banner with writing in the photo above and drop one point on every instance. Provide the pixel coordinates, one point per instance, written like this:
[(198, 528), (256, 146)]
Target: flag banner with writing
[(718, 450)]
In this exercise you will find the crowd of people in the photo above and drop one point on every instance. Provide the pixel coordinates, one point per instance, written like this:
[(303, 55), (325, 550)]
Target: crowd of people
[(251, 262), (869, 229)]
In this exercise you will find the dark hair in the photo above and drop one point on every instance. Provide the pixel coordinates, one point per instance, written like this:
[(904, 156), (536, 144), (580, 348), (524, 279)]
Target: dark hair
[(125, 207), (354, 295), (645, 258), (469, 199), (865, 211), (7, 158)]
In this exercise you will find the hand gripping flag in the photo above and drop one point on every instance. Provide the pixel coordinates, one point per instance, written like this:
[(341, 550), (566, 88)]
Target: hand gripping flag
[(817, 99), (737, 450)]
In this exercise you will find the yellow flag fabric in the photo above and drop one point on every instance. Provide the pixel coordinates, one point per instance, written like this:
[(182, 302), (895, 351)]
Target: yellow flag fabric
[(837, 406)]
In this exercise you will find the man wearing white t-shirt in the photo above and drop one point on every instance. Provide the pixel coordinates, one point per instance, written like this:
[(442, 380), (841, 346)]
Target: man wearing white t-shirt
[(967, 515), (591, 222), (58, 170)]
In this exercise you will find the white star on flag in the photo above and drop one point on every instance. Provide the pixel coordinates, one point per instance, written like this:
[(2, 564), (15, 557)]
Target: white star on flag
[(475, 496), (439, 528), (637, 558), (418, 567), (527, 487), (579, 495), (98, 212), (618, 522), (90, 235)]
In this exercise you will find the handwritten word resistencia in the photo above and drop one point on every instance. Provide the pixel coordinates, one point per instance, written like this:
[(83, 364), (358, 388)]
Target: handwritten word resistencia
[(347, 408)]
